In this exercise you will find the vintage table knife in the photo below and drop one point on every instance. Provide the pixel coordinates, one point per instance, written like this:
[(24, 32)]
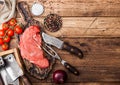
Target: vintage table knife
[(61, 44)]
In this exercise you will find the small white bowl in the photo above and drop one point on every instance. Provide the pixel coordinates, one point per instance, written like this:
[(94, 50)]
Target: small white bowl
[(37, 9)]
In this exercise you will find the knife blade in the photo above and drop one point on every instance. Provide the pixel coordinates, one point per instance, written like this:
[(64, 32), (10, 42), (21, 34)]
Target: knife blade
[(3, 71), (16, 82), (7, 79), (10, 81), (14, 70), (61, 44), (12, 67), (3, 74)]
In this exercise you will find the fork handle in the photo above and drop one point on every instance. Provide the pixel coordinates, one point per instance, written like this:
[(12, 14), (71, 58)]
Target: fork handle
[(71, 68)]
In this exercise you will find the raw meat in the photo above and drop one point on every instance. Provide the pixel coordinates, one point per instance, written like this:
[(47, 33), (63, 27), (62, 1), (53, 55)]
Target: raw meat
[(30, 46)]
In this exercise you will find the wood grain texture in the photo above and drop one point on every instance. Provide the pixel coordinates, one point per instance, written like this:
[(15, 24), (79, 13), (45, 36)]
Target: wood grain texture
[(78, 84), (94, 27), (87, 27), (100, 62), (80, 7)]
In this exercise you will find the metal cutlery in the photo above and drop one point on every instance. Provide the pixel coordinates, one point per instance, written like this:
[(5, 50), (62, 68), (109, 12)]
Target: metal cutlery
[(52, 53), (61, 45)]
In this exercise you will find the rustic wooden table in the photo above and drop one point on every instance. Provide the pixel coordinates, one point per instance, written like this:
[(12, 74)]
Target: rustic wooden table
[(94, 27)]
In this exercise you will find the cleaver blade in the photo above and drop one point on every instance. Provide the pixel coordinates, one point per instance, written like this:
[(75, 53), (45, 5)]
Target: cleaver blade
[(12, 67)]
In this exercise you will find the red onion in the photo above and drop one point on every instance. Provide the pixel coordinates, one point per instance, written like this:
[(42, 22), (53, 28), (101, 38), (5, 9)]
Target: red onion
[(59, 76)]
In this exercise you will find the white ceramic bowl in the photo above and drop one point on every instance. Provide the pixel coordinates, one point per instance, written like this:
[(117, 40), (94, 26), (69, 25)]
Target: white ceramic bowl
[(37, 9)]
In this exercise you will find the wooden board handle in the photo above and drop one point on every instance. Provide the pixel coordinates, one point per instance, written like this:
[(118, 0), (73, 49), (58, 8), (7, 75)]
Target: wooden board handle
[(73, 50), (24, 10)]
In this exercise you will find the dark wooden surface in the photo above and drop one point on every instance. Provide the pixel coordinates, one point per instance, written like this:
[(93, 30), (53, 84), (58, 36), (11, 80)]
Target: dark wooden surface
[(94, 27)]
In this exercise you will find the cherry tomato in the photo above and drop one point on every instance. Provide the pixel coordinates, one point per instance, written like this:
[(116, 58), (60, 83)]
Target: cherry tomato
[(6, 39), (18, 29), (12, 22), (10, 32), (1, 41), (5, 26), (5, 46), (2, 33)]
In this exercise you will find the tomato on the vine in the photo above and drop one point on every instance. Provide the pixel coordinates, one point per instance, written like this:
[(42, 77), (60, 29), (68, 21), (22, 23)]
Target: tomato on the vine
[(12, 22), (18, 29), (5, 46), (2, 33), (6, 39), (10, 32), (5, 26), (1, 41)]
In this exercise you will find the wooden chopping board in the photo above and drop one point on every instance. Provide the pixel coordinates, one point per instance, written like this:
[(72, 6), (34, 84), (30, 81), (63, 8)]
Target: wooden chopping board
[(34, 70)]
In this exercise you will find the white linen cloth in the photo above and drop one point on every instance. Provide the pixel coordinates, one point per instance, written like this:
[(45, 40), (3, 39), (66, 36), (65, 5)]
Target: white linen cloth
[(7, 11)]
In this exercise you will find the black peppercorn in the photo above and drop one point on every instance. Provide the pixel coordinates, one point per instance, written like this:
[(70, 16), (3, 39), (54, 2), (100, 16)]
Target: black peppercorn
[(53, 22)]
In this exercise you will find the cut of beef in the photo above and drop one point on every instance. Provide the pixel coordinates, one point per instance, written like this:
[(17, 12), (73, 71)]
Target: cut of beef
[(30, 46)]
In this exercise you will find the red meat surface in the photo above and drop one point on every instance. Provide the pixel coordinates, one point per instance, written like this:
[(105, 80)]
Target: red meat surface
[(30, 47)]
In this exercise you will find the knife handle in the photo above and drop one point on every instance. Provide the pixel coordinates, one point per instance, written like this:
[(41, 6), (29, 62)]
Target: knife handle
[(25, 80), (73, 50), (71, 68)]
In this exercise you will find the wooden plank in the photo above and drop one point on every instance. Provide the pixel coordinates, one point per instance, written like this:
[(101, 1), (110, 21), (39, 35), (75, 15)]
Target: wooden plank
[(87, 74), (87, 27), (90, 26), (94, 45), (96, 50), (88, 83), (88, 45), (80, 7), (101, 55), (100, 62)]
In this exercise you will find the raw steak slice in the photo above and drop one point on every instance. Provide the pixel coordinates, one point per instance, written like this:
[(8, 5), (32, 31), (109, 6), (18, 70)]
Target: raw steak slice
[(30, 50)]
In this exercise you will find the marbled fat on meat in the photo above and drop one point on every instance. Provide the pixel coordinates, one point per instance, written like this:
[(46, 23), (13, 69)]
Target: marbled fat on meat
[(29, 48)]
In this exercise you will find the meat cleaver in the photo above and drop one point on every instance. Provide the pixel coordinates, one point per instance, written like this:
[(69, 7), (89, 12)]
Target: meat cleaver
[(5, 76), (14, 70), (7, 79), (2, 72), (12, 67), (61, 45)]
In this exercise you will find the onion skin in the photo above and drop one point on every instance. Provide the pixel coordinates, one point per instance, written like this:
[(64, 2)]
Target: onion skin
[(59, 76)]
